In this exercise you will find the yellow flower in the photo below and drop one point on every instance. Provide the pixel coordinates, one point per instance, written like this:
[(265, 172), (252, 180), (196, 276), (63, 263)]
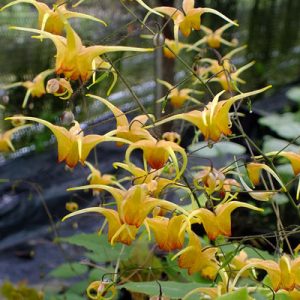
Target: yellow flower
[(283, 275), (59, 87), (214, 38), (101, 290), (212, 180), (74, 60), (155, 183), (238, 262), (117, 230), (214, 120), (97, 178), (5, 138), (198, 259), (35, 88), (73, 146), (189, 18), (134, 204), (172, 48), (254, 171), (157, 153), (52, 20), (167, 231), (218, 222), (178, 97), (132, 131), (229, 80)]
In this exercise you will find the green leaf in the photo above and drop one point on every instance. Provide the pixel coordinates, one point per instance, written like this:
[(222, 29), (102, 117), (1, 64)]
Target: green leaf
[(294, 94), (280, 199), (241, 294), (272, 144), (69, 270), (97, 274), (172, 289), (218, 149), (89, 241), (286, 125), (66, 296), (101, 249)]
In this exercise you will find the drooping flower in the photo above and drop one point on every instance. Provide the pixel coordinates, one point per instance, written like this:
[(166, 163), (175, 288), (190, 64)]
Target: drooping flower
[(189, 18), (134, 204), (59, 87), (155, 183), (229, 80), (157, 153), (214, 38), (52, 20), (214, 120), (167, 231), (218, 222), (6, 136), (73, 146), (132, 131), (217, 67), (254, 171), (172, 48), (194, 258), (178, 97), (104, 290), (35, 88), (74, 60), (209, 179), (117, 230), (283, 275), (97, 178)]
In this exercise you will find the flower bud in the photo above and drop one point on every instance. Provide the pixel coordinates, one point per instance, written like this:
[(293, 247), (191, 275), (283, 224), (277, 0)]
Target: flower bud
[(71, 206), (67, 117), (158, 39), (52, 86), (101, 290), (17, 122)]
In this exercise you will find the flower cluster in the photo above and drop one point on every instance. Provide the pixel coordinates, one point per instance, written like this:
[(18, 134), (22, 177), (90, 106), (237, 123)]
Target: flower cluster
[(140, 201)]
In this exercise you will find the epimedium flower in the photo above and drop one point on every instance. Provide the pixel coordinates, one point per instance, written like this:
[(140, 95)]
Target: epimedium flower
[(189, 17), (209, 179), (254, 171), (230, 80), (218, 222), (74, 60), (35, 88), (6, 136), (59, 87), (132, 131), (104, 290), (73, 146), (117, 230), (134, 204), (96, 177), (214, 38), (178, 97), (214, 120), (155, 183), (52, 20), (216, 67), (284, 274), (167, 231), (157, 153), (195, 258), (171, 48)]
